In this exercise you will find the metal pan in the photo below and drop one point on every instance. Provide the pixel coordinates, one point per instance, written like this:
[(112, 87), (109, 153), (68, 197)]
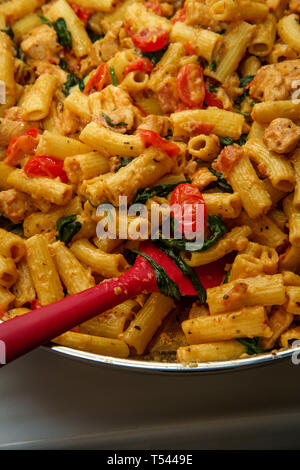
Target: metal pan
[(174, 367)]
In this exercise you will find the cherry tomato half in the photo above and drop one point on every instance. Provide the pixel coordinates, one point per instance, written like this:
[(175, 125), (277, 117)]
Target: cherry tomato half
[(21, 146), (189, 198), (143, 64), (45, 165), (152, 138), (190, 85), (98, 79), (149, 40), (211, 100), (180, 15)]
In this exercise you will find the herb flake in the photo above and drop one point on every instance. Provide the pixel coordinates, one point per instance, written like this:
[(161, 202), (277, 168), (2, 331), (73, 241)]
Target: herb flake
[(66, 228)]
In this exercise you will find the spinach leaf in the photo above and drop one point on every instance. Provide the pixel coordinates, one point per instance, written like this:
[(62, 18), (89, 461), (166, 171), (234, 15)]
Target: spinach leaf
[(66, 228), (112, 124), (237, 110), (71, 81), (227, 275), (124, 161), (224, 141), (213, 65), (63, 34), (212, 88), (217, 228), (93, 35), (9, 32), (186, 271), (221, 183), (252, 345), (242, 97), (242, 140), (155, 57), (113, 76), (165, 284), (142, 195), (246, 80)]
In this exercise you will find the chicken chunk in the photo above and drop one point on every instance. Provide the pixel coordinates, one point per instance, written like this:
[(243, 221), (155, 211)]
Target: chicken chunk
[(276, 81), (294, 6), (10, 129), (282, 135), (115, 103), (15, 205), (41, 43)]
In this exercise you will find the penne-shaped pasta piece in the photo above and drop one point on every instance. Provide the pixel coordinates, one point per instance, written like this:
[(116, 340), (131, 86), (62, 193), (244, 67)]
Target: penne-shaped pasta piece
[(206, 352)]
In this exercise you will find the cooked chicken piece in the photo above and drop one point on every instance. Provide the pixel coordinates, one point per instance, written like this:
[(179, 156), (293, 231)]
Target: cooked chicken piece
[(282, 135), (232, 86), (159, 124), (276, 81), (203, 177), (15, 205), (167, 95), (62, 120), (10, 129), (116, 104), (228, 158), (42, 66), (41, 43)]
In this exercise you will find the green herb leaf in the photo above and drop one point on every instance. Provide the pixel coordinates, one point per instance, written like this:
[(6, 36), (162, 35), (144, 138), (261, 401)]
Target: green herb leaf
[(124, 161), (155, 57), (142, 195), (165, 284), (242, 97), (242, 140), (66, 228), (71, 81), (186, 271), (112, 124), (113, 76), (212, 88), (221, 183), (244, 81), (93, 35), (213, 65), (227, 275), (237, 110), (9, 32), (63, 34), (252, 345), (217, 228), (224, 141)]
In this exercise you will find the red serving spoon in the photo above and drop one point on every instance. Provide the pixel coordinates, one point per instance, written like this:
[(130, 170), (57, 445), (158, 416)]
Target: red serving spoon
[(25, 333)]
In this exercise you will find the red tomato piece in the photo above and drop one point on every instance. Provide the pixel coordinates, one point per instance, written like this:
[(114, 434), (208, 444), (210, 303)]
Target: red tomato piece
[(35, 304), (180, 15), (150, 40), (211, 100), (83, 13), (143, 64), (21, 146), (189, 49), (212, 274), (46, 166), (190, 85), (152, 138), (98, 79), (189, 198), (154, 6)]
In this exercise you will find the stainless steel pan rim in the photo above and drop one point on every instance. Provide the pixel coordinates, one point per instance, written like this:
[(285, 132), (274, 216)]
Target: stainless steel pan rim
[(150, 366)]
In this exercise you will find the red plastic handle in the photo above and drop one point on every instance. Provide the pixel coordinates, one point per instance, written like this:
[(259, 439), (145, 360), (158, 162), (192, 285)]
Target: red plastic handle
[(23, 334)]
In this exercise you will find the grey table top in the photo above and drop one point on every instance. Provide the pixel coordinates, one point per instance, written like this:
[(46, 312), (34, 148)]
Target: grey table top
[(49, 401)]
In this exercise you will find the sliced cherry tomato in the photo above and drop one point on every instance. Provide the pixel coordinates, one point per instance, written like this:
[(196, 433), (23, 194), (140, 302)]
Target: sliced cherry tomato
[(154, 6), (35, 304), (180, 15), (189, 49), (21, 146), (149, 40), (212, 274), (83, 13), (211, 100), (190, 85), (188, 197), (143, 64), (44, 165), (152, 138), (98, 79)]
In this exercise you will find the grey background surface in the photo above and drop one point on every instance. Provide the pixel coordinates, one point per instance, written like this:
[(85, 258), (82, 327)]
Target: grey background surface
[(52, 402)]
